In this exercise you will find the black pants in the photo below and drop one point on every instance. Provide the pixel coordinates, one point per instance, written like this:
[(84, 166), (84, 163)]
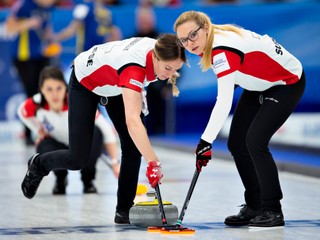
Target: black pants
[(88, 173), (257, 117), (29, 72), (82, 109)]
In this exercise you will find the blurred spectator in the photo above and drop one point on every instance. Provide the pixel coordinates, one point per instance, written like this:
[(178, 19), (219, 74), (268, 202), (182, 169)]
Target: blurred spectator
[(92, 24), (30, 20), (160, 3), (92, 21), (111, 2), (145, 22), (158, 92)]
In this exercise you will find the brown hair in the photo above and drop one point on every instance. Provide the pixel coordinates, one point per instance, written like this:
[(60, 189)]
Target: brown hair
[(203, 20), (168, 49), (50, 72)]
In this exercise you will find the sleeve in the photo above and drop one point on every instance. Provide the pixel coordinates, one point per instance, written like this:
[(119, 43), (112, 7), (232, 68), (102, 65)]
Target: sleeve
[(221, 109), (226, 60), (108, 132), (27, 114), (17, 9), (132, 77)]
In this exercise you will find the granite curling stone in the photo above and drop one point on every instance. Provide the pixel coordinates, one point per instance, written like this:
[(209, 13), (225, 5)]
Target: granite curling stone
[(146, 214)]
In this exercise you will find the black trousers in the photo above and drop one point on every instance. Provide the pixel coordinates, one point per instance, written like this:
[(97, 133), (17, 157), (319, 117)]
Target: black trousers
[(258, 115), (88, 173), (29, 72), (82, 109)]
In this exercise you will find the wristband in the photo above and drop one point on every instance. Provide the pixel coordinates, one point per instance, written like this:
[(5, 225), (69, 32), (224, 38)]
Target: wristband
[(154, 164)]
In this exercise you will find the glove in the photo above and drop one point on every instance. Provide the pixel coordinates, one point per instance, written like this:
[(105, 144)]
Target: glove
[(203, 154), (154, 173)]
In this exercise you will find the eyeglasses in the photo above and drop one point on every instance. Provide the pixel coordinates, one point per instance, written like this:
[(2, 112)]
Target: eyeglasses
[(193, 36)]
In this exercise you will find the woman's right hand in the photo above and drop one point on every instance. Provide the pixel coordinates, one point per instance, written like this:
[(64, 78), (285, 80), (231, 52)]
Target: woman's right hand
[(154, 173), (116, 169), (34, 23), (41, 135)]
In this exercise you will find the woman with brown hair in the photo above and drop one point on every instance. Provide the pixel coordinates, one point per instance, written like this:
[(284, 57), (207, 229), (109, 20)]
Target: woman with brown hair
[(118, 71), (46, 115)]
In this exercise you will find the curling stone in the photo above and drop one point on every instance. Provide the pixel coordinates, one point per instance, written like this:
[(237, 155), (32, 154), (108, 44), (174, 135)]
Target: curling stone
[(146, 214)]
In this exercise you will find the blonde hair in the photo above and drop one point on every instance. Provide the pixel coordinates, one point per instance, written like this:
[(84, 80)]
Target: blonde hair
[(203, 20), (173, 82), (168, 49)]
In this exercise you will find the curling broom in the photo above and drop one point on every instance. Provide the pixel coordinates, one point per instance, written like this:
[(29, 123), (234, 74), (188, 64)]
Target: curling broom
[(162, 213), (178, 229)]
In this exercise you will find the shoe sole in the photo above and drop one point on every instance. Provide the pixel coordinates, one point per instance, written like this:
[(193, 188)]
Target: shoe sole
[(260, 229), (128, 223), (58, 193), (85, 192), (279, 224), (236, 224)]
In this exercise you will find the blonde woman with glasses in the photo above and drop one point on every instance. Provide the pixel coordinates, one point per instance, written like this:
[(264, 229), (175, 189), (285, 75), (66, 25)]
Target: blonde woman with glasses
[(273, 82)]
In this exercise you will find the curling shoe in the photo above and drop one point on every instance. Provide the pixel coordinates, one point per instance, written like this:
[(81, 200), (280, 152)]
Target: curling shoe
[(122, 217), (32, 178), (243, 217), (60, 186), (267, 219), (89, 188)]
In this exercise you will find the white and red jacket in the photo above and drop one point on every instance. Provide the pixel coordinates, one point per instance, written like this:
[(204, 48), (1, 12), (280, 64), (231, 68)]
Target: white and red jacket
[(252, 61), (56, 123), (106, 68)]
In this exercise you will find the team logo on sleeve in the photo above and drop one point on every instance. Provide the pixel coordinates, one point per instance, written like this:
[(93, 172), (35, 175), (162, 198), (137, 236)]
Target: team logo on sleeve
[(136, 83), (220, 63), (47, 125)]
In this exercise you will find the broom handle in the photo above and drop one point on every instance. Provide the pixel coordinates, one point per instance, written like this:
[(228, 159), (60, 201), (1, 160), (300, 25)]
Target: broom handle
[(160, 204), (189, 194)]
